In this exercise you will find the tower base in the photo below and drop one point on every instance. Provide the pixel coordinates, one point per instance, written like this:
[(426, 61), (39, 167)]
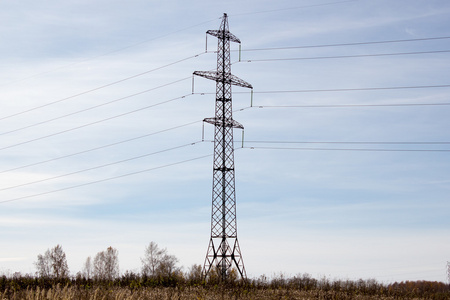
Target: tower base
[(221, 256)]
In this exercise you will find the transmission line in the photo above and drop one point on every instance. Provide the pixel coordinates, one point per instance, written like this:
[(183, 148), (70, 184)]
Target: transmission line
[(348, 105), (347, 149), (105, 179), (110, 52), (356, 89), (338, 90), (100, 105), (295, 7), (100, 147), (100, 87), (100, 166), (344, 56), (350, 142), (93, 123), (346, 44)]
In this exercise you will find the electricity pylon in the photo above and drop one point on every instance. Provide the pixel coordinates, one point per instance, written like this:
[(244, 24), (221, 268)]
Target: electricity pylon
[(448, 272), (223, 250)]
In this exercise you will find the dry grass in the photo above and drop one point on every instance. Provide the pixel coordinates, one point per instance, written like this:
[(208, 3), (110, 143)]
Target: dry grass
[(200, 293), (134, 287)]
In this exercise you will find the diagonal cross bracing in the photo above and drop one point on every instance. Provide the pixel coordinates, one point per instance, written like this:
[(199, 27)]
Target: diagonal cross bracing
[(223, 249)]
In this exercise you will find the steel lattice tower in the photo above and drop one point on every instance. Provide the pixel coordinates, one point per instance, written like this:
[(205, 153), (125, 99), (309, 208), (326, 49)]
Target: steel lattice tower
[(448, 272), (223, 249)]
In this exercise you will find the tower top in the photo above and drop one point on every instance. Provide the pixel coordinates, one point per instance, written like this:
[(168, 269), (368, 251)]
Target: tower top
[(223, 32), (223, 250)]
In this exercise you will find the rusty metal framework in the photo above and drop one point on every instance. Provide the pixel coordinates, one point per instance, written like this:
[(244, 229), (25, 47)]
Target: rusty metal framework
[(223, 250)]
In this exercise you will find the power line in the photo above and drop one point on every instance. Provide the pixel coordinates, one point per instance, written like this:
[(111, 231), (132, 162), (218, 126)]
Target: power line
[(350, 105), (92, 123), (340, 90), (184, 96), (344, 56), (100, 87), (105, 179), (254, 49), (355, 89), (99, 105), (258, 60), (291, 8), (108, 53), (100, 166), (346, 44), (343, 142), (348, 149), (351, 142), (100, 147)]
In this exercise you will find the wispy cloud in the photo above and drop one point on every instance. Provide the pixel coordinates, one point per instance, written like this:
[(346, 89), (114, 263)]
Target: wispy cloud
[(326, 209)]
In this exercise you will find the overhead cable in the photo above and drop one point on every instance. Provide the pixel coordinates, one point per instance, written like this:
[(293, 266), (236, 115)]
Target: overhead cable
[(105, 179), (347, 149), (92, 123), (294, 7), (361, 89), (100, 166), (346, 44), (352, 142), (341, 90), (99, 105), (344, 56), (110, 52), (100, 87), (349, 105), (99, 147)]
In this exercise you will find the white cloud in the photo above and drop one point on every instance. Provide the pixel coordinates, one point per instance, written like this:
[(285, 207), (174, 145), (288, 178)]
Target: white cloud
[(344, 213)]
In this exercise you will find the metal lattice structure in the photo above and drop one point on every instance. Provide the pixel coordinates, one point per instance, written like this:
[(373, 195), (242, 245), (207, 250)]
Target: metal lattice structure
[(223, 250), (448, 272)]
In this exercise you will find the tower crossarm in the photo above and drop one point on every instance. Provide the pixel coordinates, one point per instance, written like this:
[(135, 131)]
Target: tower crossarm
[(227, 78), (239, 82), (223, 123), (224, 34)]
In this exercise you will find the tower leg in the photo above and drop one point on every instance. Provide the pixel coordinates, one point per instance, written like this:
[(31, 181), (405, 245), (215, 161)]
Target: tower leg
[(222, 258), (223, 250)]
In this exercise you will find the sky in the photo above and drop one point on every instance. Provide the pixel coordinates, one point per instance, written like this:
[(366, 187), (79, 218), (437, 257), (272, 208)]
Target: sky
[(342, 169)]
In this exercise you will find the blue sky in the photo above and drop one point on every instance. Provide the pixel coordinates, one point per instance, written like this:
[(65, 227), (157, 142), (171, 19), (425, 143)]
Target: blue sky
[(334, 204)]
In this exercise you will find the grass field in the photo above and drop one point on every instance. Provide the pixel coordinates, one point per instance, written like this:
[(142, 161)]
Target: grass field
[(187, 293), (136, 287)]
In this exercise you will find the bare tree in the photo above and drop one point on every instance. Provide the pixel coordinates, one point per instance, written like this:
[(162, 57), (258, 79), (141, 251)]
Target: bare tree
[(99, 266), (44, 265), (59, 262), (112, 263), (53, 263), (106, 264), (87, 268), (151, 259), (157, 262)]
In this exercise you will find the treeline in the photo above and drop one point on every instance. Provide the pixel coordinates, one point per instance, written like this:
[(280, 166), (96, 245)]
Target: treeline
[(156, 262), (160, 275), (369, 287)]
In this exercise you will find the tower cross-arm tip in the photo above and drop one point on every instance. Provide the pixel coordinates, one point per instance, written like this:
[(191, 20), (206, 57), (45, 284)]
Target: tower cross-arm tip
[(226, 78)]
